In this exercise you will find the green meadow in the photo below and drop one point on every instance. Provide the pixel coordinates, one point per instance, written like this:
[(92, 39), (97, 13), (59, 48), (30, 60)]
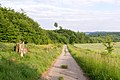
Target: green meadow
[(99, 47), (38, 59), (95, 63)]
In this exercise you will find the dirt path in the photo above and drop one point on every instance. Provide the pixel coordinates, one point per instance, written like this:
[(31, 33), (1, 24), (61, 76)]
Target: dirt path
[(73, 72)]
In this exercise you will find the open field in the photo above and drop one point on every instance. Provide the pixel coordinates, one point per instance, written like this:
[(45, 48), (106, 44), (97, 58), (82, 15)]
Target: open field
[(31, 66), (99, 47), (96, 65)]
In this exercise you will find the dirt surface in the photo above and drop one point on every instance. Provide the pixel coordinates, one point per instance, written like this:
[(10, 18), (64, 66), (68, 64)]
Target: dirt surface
[(73, 71)]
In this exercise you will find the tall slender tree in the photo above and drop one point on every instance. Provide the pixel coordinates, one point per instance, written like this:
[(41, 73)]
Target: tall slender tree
[(56, 25)]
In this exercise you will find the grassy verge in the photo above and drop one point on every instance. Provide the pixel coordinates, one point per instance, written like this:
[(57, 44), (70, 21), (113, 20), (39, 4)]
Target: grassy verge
[(97, 66), (31, 66)]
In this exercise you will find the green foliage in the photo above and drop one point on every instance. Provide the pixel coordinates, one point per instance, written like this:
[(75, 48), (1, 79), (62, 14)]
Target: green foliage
[(67, 36), (35, 62), (108, 44), (60, 27), (99, 36), (16, 26)]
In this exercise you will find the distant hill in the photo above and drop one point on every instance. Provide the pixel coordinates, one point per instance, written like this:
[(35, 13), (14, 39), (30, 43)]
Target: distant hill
[(115, 35)]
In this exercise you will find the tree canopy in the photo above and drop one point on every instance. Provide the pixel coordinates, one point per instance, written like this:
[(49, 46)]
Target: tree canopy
[(16, 26)]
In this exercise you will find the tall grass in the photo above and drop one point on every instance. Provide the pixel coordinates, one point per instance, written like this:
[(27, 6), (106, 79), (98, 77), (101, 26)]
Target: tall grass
[(97, 66), (99, 47), (38, 59)]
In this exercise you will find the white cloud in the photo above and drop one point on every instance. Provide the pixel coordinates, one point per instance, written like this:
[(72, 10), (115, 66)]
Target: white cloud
[(106, 1), (74, 14)]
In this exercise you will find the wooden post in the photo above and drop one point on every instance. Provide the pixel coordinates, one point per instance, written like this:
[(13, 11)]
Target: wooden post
[(21, 49), (17, 47)]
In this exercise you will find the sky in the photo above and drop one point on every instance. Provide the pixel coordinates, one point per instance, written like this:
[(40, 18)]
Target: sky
[(77, 15)]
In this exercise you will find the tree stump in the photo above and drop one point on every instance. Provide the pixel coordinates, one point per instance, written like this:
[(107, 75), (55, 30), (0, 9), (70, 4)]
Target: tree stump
[(21, 49)]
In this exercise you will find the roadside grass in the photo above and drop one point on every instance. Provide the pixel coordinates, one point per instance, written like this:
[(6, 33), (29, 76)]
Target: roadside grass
[(38, 59), (97, 66)]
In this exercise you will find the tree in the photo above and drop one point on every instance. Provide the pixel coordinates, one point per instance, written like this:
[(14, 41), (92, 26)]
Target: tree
[(22, 11), (16, 26), (108, 44), (60, 27), (56, 24)]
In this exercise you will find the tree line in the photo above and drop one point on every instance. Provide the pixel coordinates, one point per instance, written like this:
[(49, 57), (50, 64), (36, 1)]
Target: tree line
[(99, 36), (16, 26)]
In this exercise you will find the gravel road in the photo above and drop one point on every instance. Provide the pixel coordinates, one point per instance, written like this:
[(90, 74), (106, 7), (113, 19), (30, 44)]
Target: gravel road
[(73, 71)]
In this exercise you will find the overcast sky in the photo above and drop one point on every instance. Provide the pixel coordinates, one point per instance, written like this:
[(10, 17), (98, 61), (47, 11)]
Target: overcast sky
[(77, 15)]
